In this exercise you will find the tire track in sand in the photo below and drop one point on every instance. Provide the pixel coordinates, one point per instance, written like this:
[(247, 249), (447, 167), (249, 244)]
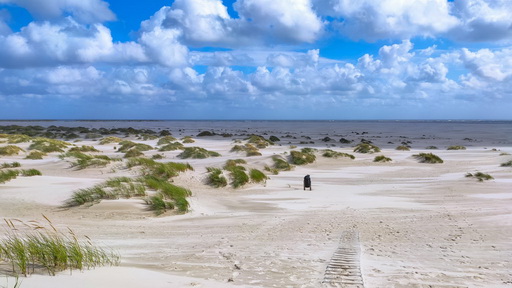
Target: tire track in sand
[(344, 268)]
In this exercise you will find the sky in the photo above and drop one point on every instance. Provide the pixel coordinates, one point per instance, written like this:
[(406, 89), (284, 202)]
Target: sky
[(256, 59)]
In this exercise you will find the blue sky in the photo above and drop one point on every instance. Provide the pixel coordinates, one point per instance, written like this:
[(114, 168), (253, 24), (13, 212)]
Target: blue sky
[(256, 59)]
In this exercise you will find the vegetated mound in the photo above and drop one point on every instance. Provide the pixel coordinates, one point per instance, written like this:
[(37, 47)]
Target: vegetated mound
[(127, 145), (366, 148), (382, 158), (197, 153), (428, 158), (328, 153), (456, 147), (10, 150), (305, 156), (480, 176)]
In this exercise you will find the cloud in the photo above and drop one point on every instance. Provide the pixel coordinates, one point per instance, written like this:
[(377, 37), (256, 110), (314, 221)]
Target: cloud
[(372, 20), (85, 11), (483, 20), (487, 64)]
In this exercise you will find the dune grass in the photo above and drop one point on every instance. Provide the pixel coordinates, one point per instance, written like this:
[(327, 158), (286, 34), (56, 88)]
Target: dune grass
[(303, 157), (382, 158), (84, 161), (134, 152), (10, 150), (110, 139), (328, 153), (18, 138), (10, 165), (10, 174), (507, 164), (127, 145), (456, 147), (249, 149), (259, 141), (428, 158), (366, 148), (403, 148), (83, 148), (48, 145), (35, 155), (166, 140), (238, 176), (232, 163), (172, 147), (281, 164), (215, 178), (197, 153), (187, 140), (431, 147), (257, 176), (480, 176), (28, 246)]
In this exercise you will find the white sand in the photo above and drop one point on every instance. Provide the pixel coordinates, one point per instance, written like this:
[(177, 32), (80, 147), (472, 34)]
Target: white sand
[(420, 225)]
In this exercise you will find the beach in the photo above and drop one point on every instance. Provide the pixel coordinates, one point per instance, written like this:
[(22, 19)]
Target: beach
[(414, 224)]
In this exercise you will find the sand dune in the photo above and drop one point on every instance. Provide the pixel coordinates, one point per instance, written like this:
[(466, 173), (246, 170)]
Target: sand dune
[(419, 225)]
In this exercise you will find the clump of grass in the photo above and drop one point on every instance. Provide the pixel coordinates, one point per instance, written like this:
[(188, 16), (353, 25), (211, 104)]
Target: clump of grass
[(456, 147), (35, 245), (431, 147), (18, 138), (206, 133), (83, 148), (48, 145), (172, 147), (157, 169), (428, 158), (187, 139), (257, 176), (231, 163), (170, 196), (127, 145), (403, 148), (197, 153), (507, 164), (84, 161), (145, 137), (134, 152), (10, 165), (215, 177), (271, 170), (166, 140), (157, 156), (238, 176), (305, 156), (381, 158), (274, 139), (10, 174), (259, 141), (366, 148), (109, 140), (334, 154), (35, 155), (248, 148), (480, 176), (10, 150), (281, 164)]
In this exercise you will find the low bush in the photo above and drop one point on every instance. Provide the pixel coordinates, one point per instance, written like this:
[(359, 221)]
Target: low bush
[(428, 158)]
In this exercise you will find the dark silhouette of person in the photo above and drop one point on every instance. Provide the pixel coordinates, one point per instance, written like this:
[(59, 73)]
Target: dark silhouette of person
[(307, 182)]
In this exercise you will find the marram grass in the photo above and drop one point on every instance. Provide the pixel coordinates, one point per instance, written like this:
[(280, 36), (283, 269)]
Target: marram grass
[(31, 246), (480, 176), (428, 158)]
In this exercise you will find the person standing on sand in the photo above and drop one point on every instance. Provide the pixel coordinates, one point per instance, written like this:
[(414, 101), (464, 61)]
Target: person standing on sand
[(307, 182)]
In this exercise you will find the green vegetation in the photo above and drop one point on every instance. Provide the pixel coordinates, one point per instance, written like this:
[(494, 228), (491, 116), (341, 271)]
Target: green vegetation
[(10, 165), (215, 178), (431, 147), (166, 140), (507, 164), (146, 136), (305, 156), (456, 147), (257, 176), (197, 153), (238, 176), (48, 145), (403, 148), (172, 147), (134, 152), (160, 170), (110, 139), (281, 164), (231, 163), (84, 148), (9, 174), (381, 158), (273, 171), (259, 141), (127, 145), (205, 133), (428, 158), (35, 155), (248, 148), (480, 176), (187, 139), (18, 138), (43, 246), (366, 148), (10, 150), (84, 161), (157, 156), (274, 139), (334, 154)]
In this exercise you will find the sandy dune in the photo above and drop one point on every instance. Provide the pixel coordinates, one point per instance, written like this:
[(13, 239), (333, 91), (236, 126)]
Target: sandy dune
[(419, 225)]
